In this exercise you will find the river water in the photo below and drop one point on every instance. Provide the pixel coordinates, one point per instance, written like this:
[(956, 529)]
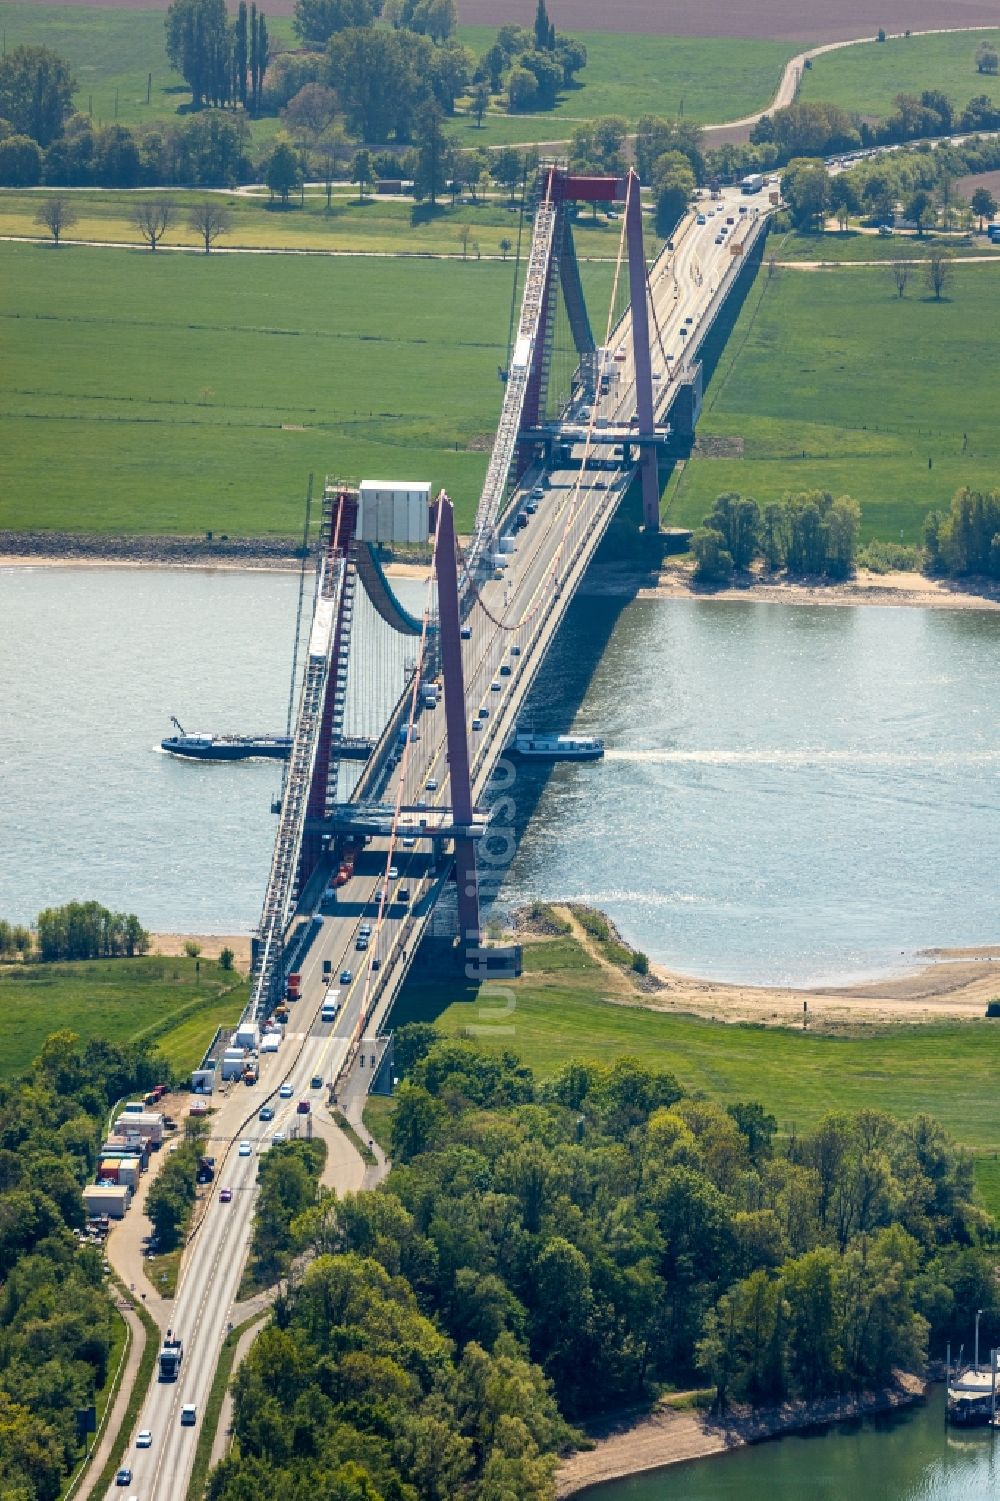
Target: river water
[(790, 793), (906, 1457)]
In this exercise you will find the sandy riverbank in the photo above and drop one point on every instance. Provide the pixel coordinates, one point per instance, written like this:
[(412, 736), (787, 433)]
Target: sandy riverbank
[(939, 985), (909, 589), (665, 1437), (604, 580), (249, 564), (210, 944)]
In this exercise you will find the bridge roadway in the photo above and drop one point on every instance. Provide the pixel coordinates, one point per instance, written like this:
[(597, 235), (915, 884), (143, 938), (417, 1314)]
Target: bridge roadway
[(529, 599)]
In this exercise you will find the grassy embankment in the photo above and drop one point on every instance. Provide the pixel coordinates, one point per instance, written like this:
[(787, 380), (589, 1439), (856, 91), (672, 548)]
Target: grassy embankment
[(865, 80), (560, 1012), (122, 1000), (705, 78), (241, 375), (376, 226), (835, 383), (855, 246)]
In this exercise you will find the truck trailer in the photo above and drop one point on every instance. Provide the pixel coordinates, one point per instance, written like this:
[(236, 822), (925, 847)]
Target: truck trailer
[(171, 1355)]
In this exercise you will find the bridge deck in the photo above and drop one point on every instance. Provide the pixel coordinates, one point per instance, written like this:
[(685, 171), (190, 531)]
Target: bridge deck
[(398, 878)]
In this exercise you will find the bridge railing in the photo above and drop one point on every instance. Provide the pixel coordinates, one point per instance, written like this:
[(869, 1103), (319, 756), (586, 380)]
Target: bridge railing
[(515, 391)]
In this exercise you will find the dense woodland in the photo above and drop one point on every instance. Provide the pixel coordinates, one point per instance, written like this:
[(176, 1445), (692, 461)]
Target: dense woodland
[(543, 1251), (56, 1318)]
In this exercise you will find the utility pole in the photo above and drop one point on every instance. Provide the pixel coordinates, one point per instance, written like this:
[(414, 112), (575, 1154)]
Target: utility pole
[(979, 1314)]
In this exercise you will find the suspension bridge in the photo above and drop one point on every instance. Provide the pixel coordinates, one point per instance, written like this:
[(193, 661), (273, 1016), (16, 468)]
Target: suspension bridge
[(356, 874)]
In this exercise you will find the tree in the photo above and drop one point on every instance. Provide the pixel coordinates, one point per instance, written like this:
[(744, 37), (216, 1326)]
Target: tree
[(983, 204), (713, 564), (674, 184), (987, 60), (361, 172), (464, 236), (507, 167), (316, 20), (522, 91), (434, 154), (506, 246), (152, 217), (805, 186), (308, 113), (282, 173), (36, 92), (226, 958), (200, 47), (737, 519), (919, 209), (901, 273), (939, 269), (544, 31), (209, 220), (20, 162), (241, 54), (480, 103), (434, 18), (380, 77), (333, 151), (844, 199)]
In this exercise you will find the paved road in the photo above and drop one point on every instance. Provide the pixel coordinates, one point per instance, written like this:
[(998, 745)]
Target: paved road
[(395, 879)]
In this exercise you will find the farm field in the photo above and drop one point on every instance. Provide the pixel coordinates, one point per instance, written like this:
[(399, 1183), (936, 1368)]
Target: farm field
[(378, 226), (559, 1013), (865, 80), (181, 393), (835, 383), (121, 1000), (805, 21)]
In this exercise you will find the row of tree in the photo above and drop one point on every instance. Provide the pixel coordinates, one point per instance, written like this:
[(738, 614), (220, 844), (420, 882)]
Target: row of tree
[(966, 539), (57, 1322), (820, 128), (542, 1251), (88, 930), (809, 533), (222, 61)]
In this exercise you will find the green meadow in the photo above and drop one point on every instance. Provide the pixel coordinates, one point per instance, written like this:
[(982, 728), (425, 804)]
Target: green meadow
[(118, 54), (119, 1000), (835, 383), (704, 79), (865, 80), (377, 226), (558, 1011), (181, 394)]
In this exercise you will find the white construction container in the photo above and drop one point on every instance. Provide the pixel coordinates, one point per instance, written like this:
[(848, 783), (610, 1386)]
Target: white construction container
[(110, 1199), (247, 1036), (233, 1064), (149, 1126), (508, 545), (393, 511)]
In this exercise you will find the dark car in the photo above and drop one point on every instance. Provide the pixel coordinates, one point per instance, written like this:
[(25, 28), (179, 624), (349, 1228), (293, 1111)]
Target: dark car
[(124, 1476), (303, 1107)]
